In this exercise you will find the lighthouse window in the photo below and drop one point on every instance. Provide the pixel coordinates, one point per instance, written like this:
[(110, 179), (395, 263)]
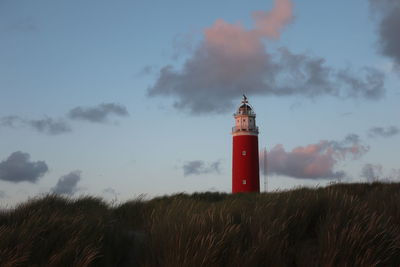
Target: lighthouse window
[(244, 181), (244, 152)]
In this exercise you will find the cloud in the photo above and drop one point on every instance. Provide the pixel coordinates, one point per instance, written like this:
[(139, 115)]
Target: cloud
[(388, 29), (182, 44), (372, 172), (2, 194), (45, 125), (9, 121), (24, 25), (198, 167), (395, 174), (99, 113), (375, 172), (67, 184), (300, 74), (314, 161), (111, 191), (383, 132), (146, 70), (50, 126), (18, 168), (271, 23), (231, 60)]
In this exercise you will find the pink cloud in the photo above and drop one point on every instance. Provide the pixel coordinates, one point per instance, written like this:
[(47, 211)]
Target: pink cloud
[(236, 41), (232, 39), (270, 23), (231, 58), (313, 161)]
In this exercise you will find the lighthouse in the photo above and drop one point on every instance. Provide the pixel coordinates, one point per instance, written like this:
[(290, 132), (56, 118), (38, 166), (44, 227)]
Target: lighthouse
[(245, 165)]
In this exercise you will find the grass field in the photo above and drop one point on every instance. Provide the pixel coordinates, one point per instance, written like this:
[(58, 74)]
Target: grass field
[(340, 225)]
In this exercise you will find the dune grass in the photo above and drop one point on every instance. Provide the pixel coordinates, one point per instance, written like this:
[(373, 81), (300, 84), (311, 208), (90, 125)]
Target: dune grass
[(340, 225)]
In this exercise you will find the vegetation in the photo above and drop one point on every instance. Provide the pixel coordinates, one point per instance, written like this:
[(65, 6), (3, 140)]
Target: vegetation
[(340, 225)]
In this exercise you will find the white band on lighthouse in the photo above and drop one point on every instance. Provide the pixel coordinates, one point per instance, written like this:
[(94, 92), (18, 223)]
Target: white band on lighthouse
[(245, 120)]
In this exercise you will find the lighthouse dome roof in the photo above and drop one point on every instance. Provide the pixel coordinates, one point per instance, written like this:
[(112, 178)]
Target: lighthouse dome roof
[(245, 108)]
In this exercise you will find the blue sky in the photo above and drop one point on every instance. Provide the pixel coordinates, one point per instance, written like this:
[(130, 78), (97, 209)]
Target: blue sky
[(56, 56)]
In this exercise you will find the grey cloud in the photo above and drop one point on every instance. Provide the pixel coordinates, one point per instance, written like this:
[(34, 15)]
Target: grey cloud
[(375, 172), (212, 78), (98, 113), (200, 87), (67, 184), (303, 75), (2, 194), (370, 86), (395, 174), (183, 44), (389, 37), (46, 125), (351, 139), (383, 132), (26, 24), (198, 167), (50, 126), (231, 59), (372, 172), (314, 161), (9, 121), (111, 191), (146, 70), (18, 168)]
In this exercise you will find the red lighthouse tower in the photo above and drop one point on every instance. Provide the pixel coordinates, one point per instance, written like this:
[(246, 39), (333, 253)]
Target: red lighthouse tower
[(245, 165)]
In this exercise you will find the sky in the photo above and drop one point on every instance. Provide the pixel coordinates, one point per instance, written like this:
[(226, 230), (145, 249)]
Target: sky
[(120, 99)]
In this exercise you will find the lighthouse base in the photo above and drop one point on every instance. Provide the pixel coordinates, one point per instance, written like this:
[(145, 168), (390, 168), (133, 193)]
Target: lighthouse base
[(245, 164)]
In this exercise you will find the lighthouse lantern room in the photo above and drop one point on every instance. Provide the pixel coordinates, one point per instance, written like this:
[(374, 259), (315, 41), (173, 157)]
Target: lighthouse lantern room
[(245, 164)]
